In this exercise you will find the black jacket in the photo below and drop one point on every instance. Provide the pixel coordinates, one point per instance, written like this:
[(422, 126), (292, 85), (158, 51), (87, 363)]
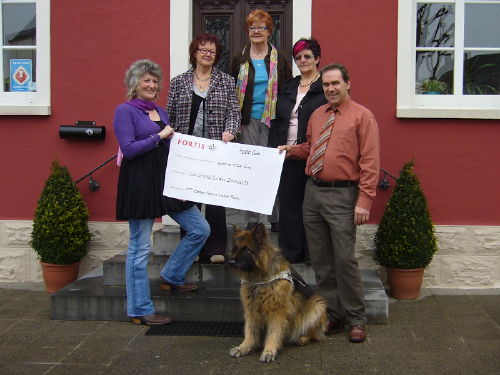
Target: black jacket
[(284, 73), (286, 101)]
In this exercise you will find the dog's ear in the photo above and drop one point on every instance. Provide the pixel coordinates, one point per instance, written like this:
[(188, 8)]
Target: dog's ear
[(259, 233), (236, 229)]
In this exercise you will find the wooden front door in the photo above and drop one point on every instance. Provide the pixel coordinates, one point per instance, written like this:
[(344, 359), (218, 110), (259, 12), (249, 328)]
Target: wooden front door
[(226, 19)]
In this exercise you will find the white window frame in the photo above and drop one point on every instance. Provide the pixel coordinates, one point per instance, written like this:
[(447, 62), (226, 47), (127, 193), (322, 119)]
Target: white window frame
[(38, 102), (410, 104)]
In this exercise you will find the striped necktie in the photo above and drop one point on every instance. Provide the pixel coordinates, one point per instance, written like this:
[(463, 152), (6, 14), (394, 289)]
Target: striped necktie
[(322, 142)]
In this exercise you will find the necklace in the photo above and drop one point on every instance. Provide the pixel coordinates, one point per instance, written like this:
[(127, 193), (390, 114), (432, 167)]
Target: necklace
[(200, 87), (201, 84), (310, 82), (258, 55), (204, 79)]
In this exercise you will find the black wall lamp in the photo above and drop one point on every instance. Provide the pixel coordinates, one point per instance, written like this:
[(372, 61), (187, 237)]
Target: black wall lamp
[(82, 129), (384, 184), (93, 184)]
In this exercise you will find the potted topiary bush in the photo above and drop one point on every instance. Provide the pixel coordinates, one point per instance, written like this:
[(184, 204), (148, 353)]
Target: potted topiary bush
[(60, 234), (405, 241)]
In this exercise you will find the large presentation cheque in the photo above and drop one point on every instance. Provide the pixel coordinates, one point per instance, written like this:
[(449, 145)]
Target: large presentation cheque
[(223, 174)]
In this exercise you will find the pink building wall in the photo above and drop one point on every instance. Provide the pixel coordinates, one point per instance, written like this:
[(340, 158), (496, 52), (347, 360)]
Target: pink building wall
[(92, 45)]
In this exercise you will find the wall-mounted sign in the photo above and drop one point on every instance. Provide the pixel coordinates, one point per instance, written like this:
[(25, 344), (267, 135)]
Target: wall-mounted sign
[(20, 75)]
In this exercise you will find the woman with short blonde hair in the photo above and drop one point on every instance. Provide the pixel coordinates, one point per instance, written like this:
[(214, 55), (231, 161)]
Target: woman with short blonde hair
[(260, 71)]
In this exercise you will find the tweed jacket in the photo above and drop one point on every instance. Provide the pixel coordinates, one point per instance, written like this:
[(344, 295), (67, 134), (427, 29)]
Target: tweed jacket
[(222, 109)]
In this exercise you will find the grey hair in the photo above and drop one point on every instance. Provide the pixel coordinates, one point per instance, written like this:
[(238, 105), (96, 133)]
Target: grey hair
[(137, 70)]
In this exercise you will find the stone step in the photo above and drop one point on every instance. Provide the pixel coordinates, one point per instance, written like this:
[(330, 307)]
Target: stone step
[(89, 299), (208, 275), (166, 239), (233, 216)]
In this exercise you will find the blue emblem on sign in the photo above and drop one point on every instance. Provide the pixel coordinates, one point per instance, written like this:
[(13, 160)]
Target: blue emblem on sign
[(21, 75)]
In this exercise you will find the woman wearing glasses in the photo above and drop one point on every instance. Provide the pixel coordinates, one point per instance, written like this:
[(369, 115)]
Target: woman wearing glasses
[(202, 102), (260, 70), (300, 97)]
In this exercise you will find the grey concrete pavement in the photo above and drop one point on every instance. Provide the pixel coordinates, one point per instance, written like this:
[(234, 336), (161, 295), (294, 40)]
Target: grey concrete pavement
[(435, 334)]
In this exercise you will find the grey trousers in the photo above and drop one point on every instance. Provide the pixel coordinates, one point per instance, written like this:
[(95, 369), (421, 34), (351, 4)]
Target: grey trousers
[(257, 133), (331, 236)]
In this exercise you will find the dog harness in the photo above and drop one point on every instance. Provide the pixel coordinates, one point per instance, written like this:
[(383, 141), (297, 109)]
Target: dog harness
[(284, 275)]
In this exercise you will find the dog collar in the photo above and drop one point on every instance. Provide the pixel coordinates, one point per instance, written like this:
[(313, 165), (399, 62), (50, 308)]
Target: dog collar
[(284, 275)]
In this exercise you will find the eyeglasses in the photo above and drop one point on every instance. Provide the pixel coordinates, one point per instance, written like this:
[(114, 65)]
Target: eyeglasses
[(253, 29), (306, 56), (205, 51)]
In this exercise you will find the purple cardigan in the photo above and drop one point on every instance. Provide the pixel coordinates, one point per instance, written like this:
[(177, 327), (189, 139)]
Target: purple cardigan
[(135, 132)]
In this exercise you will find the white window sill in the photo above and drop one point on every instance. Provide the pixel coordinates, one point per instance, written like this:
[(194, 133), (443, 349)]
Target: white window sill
[(467, 113), (40, 110)]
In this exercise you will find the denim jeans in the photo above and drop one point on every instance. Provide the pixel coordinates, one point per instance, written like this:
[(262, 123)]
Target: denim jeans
[(139, 301), (136, 269), (197, 232)]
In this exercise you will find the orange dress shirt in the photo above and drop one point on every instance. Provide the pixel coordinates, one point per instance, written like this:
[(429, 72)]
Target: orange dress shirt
[(353, 151)]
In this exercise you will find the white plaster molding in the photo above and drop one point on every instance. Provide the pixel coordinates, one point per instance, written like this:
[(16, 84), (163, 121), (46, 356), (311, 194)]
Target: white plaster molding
[(302, 24), (181, 26)]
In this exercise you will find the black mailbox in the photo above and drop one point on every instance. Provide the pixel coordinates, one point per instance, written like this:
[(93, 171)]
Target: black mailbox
[(82, 129)]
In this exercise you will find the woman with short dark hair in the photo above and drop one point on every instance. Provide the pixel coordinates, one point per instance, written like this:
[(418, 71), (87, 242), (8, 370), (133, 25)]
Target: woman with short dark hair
[(202, 102), (300, 97), (143, 130)]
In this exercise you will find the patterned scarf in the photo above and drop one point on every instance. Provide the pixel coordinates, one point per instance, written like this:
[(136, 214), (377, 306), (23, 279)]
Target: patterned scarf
[(272, 86)]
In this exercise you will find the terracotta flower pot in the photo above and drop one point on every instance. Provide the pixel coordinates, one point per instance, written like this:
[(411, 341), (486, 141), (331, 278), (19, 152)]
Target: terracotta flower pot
[(405, 283), (56, 276)]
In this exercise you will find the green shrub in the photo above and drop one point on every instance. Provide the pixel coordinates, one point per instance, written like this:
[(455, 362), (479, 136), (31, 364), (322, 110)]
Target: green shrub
[(405, 236), (60, 229)]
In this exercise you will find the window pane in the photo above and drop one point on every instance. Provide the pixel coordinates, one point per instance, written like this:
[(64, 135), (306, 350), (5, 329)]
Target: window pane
[(434, 65), (435, 25), (275, 36), (220, 27), (481, 73), (482, 26), (19, 25), (20, 78)]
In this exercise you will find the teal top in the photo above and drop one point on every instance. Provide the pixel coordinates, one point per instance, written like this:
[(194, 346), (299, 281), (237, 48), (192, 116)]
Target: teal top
[(259, 88)]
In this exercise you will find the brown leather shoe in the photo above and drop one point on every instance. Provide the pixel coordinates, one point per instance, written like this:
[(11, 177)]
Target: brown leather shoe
[(166, 285), (357, 334), (335, 326), (151, 320)]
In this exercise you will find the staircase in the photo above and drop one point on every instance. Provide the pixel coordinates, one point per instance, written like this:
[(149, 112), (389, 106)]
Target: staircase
[(100, 295)]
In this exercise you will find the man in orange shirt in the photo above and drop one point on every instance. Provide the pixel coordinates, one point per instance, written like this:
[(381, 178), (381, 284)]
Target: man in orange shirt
[(342, 152)]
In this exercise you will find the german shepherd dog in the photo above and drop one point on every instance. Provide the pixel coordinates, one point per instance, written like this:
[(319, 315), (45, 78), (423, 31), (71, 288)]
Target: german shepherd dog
[(278, 305)]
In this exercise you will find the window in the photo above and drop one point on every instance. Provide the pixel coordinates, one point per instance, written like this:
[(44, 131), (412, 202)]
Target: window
[(450, 48), (25, 57)]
